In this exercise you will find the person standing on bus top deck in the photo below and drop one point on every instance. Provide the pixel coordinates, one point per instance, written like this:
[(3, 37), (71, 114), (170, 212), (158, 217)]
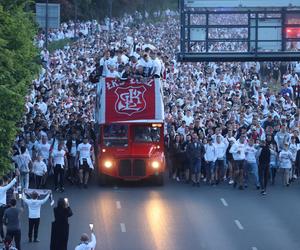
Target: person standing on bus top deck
[(59, 163), (85, 156)]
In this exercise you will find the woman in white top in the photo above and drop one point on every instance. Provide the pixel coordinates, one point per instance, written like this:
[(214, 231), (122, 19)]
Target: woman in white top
[(59, 163), (285, 159), (39, 169)]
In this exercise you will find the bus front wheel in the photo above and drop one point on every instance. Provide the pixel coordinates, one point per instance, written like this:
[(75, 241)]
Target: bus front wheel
[(159, 179), (102, 179)]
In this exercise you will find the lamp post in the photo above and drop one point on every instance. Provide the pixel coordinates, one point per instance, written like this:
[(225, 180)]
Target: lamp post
[(75, 21), (46, 42), (110, 15)]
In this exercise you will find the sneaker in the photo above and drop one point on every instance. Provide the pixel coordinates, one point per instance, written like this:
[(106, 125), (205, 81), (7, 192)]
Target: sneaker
[(57, 189), (245, 186), (288, 184), (177, 179), (257, 187), (234, 185), (204, 180), (231, 182), (264, 193), (62, 190), (295, 177), (36, 240), (241, 188)]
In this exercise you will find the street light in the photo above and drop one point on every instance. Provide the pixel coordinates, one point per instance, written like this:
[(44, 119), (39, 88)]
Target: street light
[(46, 42), (75, 21)]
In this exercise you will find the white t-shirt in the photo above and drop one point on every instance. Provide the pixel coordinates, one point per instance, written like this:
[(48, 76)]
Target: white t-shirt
[(44, 150), (84, 150), (39, 168), (59, 157), (285, 159), (34, 206)]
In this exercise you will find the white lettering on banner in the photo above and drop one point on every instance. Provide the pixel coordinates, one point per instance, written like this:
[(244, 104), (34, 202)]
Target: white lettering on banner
[(115, 83), (130, 100)]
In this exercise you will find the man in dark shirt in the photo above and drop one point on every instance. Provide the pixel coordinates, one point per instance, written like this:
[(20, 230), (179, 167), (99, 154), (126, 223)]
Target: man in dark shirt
[(11, 219)]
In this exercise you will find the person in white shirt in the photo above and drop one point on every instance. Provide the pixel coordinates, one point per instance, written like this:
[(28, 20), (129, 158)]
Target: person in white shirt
[(210, 157), (34, 208), (251, 162), (85, 156), (39, 169), (59, 162), (285, 159), (24, 165), (44, 149), (3, 201), (221, 148), (238, 154), (85, 243)]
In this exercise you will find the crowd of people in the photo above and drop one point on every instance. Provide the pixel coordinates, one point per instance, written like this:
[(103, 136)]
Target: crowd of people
[(215, 104), (223, 121)]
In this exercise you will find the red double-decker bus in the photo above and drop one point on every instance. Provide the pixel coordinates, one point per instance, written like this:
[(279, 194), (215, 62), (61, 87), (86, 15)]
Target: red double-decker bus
[(130, 130)]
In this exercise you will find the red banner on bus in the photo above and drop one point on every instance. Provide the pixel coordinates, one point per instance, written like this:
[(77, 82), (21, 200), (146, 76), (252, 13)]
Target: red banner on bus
[(129, 100)]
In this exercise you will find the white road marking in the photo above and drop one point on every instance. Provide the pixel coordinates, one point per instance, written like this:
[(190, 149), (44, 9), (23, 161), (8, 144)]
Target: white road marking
[(123, 228), (224, 202), (239, 225), (118, 203), (254, 248)]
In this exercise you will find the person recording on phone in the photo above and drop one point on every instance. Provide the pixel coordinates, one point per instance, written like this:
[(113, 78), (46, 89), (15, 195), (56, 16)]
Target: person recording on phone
[(60, 226), (85, 242)]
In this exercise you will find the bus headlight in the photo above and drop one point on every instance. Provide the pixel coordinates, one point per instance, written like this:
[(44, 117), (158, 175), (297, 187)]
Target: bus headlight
[(108, 164), (155, 164)]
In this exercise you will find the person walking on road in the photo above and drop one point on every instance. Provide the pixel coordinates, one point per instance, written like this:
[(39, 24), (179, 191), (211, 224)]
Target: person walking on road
[(85, 243), (60, 163), (285, 159), (264, 165), (60, 226), (238, 153), (34, 207), (85, 155), (11, 219), (195, 151)]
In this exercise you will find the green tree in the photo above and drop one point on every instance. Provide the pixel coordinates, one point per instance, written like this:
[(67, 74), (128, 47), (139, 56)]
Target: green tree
[(18, 67)]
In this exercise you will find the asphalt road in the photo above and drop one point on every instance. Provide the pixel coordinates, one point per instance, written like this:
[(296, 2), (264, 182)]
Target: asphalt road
[(140, 216)]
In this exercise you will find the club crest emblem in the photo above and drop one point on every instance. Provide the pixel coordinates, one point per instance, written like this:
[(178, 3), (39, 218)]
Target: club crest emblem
[(130, 100)]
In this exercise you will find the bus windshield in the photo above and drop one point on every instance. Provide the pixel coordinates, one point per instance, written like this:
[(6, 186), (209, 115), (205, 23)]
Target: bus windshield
[(115, 135), (146, 134)]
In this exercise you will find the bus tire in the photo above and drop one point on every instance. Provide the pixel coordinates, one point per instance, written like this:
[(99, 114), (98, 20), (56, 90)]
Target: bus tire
[(159, 179)]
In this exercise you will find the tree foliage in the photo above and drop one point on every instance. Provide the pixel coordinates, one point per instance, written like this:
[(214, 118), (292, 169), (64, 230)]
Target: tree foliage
[(98, 9), (18, 67)]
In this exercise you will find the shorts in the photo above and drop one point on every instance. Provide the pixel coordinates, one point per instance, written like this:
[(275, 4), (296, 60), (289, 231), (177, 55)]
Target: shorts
[(239, 164), (85, 166)]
